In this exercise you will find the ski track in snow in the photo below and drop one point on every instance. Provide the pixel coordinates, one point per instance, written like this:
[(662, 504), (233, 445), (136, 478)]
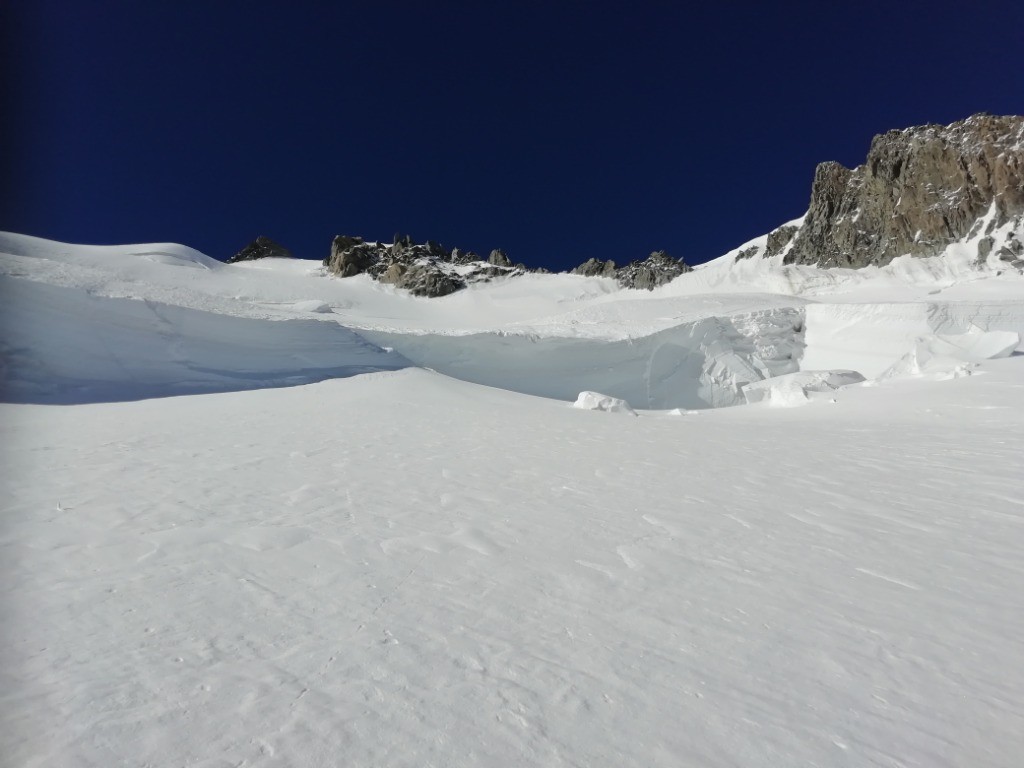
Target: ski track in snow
[(397, 568)]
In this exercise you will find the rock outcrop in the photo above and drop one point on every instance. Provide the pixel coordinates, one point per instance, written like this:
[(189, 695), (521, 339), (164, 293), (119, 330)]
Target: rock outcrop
[(657, 269), (261, 248), (919, 190), (499, 259), (779, 238), (423, 269), (595, 268)]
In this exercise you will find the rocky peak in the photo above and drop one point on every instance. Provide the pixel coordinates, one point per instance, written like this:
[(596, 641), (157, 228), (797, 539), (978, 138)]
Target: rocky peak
[(657, 269), (919, 190), (261, 248)]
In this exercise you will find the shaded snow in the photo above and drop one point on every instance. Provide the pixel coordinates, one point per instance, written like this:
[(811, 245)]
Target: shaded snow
[(62, 345)]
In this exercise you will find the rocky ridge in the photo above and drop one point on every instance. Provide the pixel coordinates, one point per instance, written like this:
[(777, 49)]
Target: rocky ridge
[(430, 269), (427, 269), (261, 248), (645, 274), (919, 190)]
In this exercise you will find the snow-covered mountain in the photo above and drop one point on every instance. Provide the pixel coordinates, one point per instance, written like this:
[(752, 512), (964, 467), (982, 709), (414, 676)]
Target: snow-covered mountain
[(262, 514), (88, 323)]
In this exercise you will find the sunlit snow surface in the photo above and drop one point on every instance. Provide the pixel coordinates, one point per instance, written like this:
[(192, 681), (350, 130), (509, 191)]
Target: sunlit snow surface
[(397, 568)]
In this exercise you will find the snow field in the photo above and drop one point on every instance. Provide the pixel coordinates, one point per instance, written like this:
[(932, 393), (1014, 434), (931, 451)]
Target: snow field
[(343, 572)]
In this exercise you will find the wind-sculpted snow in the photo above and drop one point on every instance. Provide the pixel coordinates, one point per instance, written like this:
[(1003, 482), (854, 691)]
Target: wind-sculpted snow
[(103, 256), (870, 338), (62, 345)]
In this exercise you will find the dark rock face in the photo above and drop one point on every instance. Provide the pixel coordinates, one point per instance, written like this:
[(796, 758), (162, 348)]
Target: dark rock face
[(352, 258), (261, 248), (779, 239), (657, 269), (595, 268), (423, 269), (499, 259), (920, 190), (1012, 251)]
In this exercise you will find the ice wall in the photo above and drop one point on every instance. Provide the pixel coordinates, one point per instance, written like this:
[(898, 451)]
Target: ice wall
[(698, 364)]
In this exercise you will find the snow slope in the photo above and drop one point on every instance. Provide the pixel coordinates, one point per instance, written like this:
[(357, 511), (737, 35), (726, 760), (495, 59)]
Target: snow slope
[(400, 568), (956, 275)]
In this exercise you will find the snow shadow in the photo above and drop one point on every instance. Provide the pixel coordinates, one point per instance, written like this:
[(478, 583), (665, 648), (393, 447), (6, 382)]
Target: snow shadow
[(65, 346)]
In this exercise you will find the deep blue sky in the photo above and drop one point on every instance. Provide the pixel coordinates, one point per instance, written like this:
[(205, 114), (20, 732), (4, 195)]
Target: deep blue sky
[(557, 131)]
